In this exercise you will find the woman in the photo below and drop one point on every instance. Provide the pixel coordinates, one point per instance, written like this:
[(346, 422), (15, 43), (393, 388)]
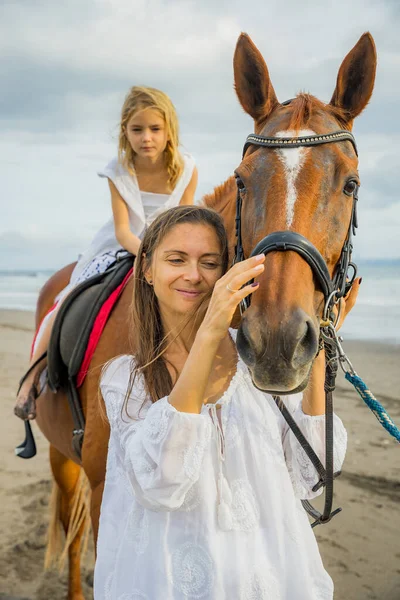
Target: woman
[(149, 176), (204, 478)]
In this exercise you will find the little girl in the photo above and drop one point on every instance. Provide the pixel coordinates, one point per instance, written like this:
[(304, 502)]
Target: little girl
[(149, 176)]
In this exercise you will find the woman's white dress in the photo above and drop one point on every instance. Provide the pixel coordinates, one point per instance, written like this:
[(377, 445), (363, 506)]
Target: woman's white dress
[(196, 510)]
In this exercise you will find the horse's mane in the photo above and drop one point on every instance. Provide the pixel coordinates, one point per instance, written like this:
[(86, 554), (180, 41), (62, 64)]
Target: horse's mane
[(304, 106), (221, 192)]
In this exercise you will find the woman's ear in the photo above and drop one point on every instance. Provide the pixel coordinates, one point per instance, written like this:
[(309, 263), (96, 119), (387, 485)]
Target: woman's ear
[(148, 277), (147, 271)]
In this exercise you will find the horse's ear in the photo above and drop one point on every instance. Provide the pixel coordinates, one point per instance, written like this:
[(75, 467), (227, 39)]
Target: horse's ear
[(252, 83), (356, 78)]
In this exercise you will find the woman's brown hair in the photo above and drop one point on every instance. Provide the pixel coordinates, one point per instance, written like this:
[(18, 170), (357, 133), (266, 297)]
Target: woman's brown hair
[(149, 341)]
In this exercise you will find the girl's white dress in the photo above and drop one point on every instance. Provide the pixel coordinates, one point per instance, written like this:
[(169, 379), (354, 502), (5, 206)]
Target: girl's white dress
[(194, 508), (143, 208)]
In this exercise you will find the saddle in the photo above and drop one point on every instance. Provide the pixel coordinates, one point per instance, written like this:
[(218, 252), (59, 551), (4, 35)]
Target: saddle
[(71, 333)]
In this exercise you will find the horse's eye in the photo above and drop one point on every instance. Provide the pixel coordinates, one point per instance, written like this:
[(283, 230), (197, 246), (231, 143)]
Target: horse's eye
[(240, 183), (350, 187)]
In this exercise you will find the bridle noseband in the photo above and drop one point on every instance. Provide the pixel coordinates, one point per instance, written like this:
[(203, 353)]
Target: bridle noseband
[(333, 290)]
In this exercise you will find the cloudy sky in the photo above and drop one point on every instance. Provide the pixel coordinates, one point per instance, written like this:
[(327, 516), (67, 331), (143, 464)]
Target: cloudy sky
[(65, 68)]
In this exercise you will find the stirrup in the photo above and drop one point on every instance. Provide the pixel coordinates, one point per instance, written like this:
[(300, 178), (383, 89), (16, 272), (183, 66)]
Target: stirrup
[(28, 447)]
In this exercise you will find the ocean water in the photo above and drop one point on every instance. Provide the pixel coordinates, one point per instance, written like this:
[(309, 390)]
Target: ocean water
[(376, 315), (19, 290)]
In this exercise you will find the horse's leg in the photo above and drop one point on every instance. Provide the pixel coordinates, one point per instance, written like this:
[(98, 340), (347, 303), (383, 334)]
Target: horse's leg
[(70, 506)]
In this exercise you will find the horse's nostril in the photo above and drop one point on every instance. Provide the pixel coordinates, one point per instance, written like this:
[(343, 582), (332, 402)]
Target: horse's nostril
[(245, 346), (307, 345)]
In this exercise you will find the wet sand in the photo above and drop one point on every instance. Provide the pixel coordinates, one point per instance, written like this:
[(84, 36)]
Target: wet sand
[(360, 547)]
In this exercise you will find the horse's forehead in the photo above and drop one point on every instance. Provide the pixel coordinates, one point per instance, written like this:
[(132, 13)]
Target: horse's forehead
[(321, 121)]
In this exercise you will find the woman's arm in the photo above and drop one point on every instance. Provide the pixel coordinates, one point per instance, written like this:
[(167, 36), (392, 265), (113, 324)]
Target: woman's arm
[(188, 392), (313, 402), (124, 235), (314, 394), (310, 417), (188, 194), (161, 448)]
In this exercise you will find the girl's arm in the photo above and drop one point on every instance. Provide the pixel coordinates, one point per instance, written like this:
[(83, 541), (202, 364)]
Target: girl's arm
[(128, 240), (188, 194)]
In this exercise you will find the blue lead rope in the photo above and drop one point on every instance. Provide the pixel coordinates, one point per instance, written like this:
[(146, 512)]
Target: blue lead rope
[(372, 403)]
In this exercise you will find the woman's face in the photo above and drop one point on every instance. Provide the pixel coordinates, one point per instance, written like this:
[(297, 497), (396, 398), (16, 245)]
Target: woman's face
[(146, 133), (185, 268)]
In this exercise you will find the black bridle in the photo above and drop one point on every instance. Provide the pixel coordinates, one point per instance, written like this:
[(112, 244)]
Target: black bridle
[(333, 290), (281, 241)]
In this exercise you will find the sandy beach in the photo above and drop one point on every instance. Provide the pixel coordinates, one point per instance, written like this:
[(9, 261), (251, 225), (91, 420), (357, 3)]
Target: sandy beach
[(360, 547)]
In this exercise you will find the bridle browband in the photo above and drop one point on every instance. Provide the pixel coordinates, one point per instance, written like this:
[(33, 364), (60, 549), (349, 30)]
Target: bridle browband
[(302, 141), (332, 288)]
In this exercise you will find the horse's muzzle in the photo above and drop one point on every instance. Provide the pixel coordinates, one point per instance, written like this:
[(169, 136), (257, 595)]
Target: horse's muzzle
[(279, 355)]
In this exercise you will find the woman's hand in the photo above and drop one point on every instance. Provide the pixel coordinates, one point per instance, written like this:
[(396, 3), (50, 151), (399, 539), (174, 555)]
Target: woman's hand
[(228, 293), (347, 303), (189, 391)]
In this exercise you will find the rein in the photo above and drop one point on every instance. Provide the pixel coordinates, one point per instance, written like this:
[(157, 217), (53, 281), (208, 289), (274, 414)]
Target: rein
[(333, 290)]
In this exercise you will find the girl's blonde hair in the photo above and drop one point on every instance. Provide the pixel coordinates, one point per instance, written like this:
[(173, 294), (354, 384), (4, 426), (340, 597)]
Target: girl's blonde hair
[(140, 98)]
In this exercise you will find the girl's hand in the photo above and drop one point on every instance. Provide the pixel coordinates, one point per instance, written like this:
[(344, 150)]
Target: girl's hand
[(228, 293), (348, 302)]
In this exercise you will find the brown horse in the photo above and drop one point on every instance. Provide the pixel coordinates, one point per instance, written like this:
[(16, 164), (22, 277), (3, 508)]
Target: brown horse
[(304, 189)]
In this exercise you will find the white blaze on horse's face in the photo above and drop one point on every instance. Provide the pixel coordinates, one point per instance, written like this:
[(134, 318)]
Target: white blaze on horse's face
[(293, 160)]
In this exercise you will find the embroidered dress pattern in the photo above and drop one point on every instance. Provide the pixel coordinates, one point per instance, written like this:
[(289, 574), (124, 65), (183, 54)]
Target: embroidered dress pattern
[(135, 595), (262, 586), (112, 464), (192, 458), (108, 587), (143, 466), (122, 476), (192, 498), (192, 571), (138, 528), (245, 512), (114, 406), (232, 433), (156, 426)]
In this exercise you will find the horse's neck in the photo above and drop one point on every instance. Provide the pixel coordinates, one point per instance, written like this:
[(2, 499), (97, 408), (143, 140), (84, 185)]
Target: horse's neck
[(223, 201)]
